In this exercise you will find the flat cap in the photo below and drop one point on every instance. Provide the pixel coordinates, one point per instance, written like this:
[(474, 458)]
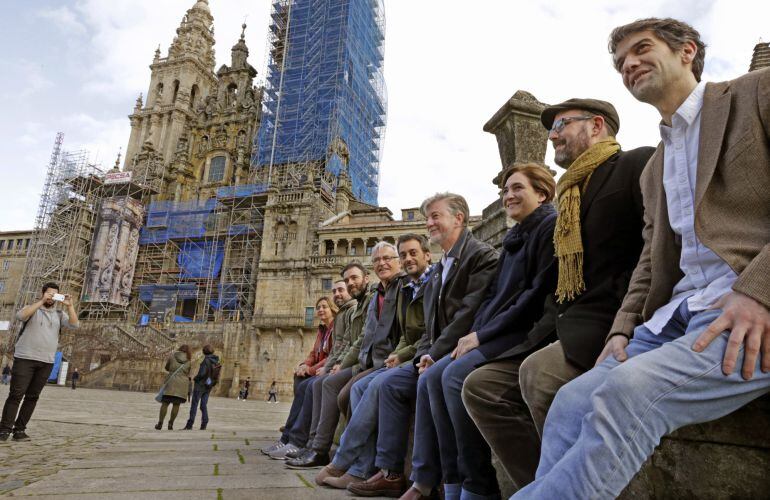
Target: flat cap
[(603, 108)]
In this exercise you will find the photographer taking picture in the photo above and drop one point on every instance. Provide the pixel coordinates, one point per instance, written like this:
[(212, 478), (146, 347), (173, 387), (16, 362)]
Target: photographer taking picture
[(34, 356)]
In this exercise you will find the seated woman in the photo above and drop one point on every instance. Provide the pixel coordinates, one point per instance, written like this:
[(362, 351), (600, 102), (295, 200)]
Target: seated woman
[(526, 275), (325, 310)]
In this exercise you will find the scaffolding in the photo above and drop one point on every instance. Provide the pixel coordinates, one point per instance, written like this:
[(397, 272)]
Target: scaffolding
[(324, 104), (198, 259), (61, 238)]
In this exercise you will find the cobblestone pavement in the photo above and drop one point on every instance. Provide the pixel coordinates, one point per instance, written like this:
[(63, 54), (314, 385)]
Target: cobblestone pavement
[(97, 444)]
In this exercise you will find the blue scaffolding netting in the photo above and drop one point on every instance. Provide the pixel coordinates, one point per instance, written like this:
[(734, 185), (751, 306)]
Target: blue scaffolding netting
[(325, 82)]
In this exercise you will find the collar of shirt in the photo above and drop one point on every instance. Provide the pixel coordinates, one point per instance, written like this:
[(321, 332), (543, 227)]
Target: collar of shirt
[(416, 285), (687, 112)]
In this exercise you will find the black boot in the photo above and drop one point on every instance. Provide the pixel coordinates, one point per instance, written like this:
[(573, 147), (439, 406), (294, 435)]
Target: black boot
[(203, 426), (170, 425), (159, 426)]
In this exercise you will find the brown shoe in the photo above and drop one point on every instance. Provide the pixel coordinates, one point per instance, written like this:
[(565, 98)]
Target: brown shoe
[(342, 482), (328, 471), (380, 485)]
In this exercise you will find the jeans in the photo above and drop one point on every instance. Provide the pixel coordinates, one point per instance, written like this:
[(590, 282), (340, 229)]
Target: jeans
[(299, 431), (203, 397), (465, 458), (358, 444), (604, 424), (300, 386), (398, 389), (28, 377)]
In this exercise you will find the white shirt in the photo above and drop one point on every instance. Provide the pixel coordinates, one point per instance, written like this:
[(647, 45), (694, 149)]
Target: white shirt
[(706, 276), (446, 263)]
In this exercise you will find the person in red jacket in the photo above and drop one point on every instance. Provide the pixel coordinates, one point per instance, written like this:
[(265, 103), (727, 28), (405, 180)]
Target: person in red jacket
[(325, 310)]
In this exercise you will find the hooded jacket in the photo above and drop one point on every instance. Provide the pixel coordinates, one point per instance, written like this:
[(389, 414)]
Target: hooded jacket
[(177, 382)]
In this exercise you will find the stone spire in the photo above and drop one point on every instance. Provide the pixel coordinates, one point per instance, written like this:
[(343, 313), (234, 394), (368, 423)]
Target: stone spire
[(240, 52), (195, 36), (761, 57)]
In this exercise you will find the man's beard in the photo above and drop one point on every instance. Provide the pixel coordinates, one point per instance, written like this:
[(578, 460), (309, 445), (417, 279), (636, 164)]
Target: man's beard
[(571, 150)]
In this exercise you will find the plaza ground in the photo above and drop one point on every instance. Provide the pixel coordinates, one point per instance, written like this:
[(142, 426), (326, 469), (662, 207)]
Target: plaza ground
[(99, 444)]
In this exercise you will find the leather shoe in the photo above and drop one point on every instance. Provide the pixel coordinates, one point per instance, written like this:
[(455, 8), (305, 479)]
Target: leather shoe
[(329, 471), (309, 460), (342, 482), (380, 485)]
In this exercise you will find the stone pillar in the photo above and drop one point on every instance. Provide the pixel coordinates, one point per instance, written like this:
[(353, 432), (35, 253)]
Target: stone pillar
[(235, 387), (520, 135), (520, 138)]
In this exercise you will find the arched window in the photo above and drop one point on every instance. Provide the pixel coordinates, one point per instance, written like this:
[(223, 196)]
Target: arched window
[(193, 96), (159, 93), (176, 90), (217, 169)]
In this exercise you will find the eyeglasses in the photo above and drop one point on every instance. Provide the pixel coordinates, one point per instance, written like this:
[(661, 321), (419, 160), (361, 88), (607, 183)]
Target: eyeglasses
[(384, 260), (559, 124)]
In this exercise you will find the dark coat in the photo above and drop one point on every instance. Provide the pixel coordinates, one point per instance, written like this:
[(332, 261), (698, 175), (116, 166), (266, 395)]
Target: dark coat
[(381, 334), (449, 310), (526, 274), (204, 372), (611, 221)]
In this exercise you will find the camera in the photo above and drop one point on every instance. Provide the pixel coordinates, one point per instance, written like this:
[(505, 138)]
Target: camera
[(58, 297)]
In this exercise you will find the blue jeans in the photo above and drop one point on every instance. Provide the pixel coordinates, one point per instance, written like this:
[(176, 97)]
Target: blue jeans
[(358, 444), (398, 389), (301, 384), (464, 457), (203, 398), (603, 425)]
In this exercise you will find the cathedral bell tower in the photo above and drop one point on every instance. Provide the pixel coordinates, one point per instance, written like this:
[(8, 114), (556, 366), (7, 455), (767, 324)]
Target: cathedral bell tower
[(179, 83)]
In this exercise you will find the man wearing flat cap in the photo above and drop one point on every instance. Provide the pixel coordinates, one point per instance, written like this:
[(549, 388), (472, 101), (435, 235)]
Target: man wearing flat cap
[(598, 239)]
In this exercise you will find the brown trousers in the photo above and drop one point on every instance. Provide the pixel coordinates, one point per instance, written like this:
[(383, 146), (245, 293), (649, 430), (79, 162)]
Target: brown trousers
[(509, 399)]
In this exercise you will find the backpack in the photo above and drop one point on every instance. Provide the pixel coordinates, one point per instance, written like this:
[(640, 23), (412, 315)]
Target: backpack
[(215, 370)]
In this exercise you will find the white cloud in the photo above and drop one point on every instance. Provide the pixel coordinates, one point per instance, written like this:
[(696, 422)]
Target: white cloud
[(65, 19), (449, 66)]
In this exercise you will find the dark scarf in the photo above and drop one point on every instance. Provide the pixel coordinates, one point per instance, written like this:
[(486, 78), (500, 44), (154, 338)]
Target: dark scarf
[(518, 234)]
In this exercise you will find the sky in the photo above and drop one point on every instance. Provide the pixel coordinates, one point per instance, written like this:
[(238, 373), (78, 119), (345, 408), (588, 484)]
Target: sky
[(77, 66)]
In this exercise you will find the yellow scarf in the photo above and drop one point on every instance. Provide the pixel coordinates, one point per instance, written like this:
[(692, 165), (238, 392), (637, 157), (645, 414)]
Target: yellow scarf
[(566, 237)]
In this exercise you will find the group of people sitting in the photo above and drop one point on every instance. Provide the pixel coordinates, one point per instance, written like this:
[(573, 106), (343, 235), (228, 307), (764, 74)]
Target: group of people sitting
[(638, 306)]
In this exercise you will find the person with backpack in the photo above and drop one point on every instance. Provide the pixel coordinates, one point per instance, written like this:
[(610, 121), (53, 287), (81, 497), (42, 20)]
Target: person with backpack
[(207, 377), (34, 356)]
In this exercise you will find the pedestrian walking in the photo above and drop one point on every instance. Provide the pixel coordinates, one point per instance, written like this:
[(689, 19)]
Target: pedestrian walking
[(207, 377), (271, 393), (75, 378), (6, 374), (176, 388), (246, 386), (34, 354)]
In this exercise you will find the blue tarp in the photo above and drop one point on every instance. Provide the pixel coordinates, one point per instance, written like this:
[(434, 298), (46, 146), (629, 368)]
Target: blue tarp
[(200, 259), (175, 220), (56, 367), (241, 190), (228, 297)]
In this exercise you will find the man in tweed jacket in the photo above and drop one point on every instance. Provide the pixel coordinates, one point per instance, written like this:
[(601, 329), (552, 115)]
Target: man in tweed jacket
[(696, 311)]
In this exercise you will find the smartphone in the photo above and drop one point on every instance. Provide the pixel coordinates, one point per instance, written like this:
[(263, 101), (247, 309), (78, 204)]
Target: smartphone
[(58, 297)]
